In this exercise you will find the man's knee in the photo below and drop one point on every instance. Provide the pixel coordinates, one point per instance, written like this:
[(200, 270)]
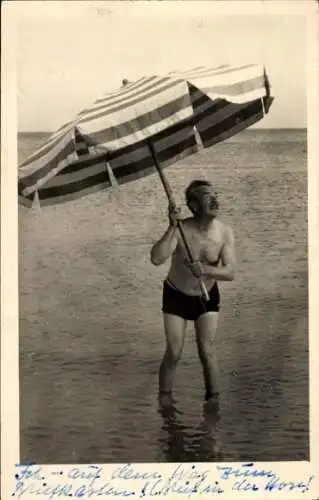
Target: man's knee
[(173, 354), (206, 349), (175, 332), (206, 326)]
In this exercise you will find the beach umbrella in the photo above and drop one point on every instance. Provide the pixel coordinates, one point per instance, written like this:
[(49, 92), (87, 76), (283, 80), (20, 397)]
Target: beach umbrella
[(142, 128)]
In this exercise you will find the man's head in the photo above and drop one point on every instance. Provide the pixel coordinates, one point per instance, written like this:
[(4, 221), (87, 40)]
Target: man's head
[(201, 199)]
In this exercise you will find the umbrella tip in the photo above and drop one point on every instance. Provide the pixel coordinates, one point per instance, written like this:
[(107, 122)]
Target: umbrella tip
[(125, 82)]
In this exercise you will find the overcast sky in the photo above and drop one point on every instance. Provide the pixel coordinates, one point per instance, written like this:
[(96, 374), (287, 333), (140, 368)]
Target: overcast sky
[(70, 53)]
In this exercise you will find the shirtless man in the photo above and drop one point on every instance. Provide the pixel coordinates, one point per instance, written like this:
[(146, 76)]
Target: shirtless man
[(212, 246)]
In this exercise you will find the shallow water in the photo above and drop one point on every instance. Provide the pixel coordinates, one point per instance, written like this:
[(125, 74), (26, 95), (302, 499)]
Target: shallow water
[(91, 329)]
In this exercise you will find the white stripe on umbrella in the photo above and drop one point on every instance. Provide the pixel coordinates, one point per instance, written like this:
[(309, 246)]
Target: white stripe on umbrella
[(204, 70), (105, 139), (164, 95), (45, 153), (227, 73), (151, 86), (38, 177)]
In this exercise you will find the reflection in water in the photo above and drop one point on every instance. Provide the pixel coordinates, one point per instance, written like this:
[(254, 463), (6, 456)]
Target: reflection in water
[(179, 442)]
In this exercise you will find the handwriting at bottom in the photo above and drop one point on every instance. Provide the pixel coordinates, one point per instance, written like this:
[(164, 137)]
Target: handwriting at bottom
[(149, 490), (184, 480), (244, 485), (68, 490), (187, 489), (278, 484)]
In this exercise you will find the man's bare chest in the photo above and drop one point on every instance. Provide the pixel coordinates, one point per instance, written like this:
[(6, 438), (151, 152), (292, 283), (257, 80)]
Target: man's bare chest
[(207, 246)]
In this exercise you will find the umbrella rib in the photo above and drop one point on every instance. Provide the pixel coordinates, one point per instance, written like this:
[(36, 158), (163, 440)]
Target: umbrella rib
[(112, 177)]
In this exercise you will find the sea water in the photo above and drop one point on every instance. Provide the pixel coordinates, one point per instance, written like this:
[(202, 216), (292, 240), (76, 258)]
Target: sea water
[(91, 333)]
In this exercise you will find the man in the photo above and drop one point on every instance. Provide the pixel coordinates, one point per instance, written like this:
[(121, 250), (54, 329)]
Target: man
[(212, 246)]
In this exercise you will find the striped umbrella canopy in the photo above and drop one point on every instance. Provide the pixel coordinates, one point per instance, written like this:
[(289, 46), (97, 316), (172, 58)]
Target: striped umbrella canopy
[(142, 127)]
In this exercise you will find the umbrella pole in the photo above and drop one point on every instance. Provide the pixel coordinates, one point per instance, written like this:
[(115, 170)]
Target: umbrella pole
[(169, 194)]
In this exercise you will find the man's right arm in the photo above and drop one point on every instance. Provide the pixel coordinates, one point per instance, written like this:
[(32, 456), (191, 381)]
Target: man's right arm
[(164, 247)]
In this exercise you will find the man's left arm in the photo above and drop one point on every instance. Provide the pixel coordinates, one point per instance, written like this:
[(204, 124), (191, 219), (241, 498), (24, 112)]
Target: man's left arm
[(228, 260)]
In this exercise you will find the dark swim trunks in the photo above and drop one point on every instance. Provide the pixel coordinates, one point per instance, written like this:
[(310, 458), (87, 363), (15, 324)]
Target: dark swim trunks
[(187, 306)]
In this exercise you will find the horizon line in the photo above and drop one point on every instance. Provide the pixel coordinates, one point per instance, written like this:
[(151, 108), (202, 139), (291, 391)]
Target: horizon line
[(246, 130)]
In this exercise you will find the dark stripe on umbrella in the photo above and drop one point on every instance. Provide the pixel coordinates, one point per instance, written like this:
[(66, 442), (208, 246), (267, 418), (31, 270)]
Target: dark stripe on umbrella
[(81, 164), (139, 163), (205, 107), (133, 102), (136, 170), (64, 189), (131, 168), (31, 179), (141, 122), (187, 144), (238, 120), (173, 140), (173, 137), (73, 196), (139, 174), (221, 110), (78, 175), (204, 119), (228, 133)]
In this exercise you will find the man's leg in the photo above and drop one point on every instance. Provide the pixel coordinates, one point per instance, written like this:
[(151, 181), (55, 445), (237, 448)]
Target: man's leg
[(206, 327), (175, 333)]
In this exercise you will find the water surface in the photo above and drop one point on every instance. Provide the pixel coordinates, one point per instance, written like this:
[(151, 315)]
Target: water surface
[(91, 336)]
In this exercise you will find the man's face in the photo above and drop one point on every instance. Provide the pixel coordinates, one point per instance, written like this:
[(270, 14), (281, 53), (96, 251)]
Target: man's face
[(208, 202)]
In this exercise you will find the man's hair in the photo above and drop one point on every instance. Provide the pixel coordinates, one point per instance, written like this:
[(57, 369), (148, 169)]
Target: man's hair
[(190, 192)]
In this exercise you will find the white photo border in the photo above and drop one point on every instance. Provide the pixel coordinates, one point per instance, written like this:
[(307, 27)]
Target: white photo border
[(9, 237)]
